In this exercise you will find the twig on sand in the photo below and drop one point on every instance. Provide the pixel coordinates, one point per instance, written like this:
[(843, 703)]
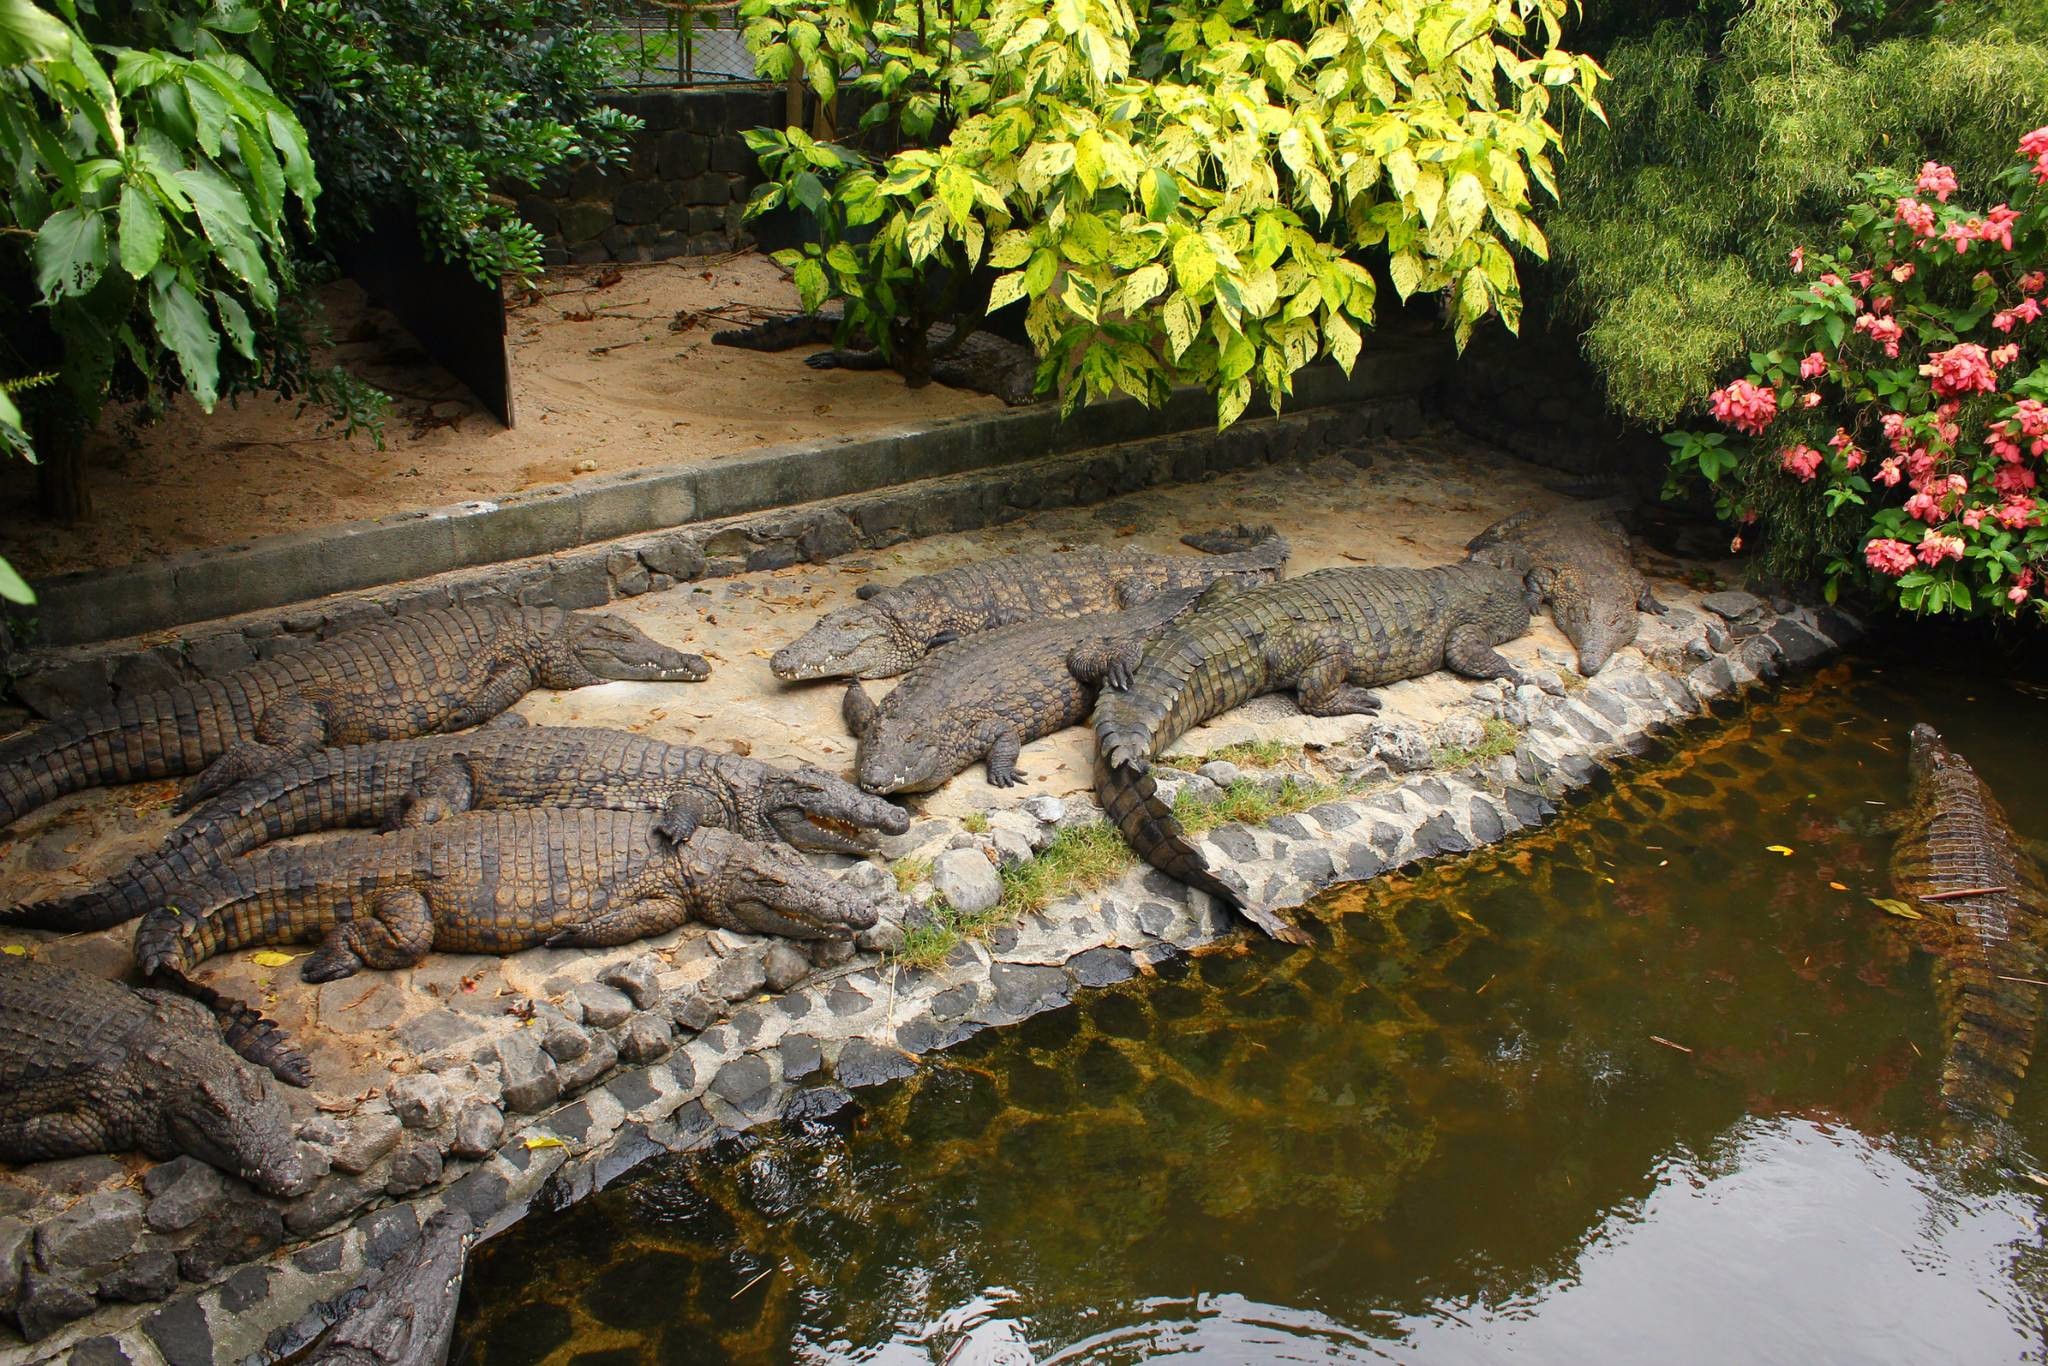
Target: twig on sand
[(1961, 892), (1660, 1039)]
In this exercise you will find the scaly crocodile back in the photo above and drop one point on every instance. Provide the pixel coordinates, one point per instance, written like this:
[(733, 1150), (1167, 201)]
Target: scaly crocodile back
[(390, 679), (1957, 838), (54, 1021)]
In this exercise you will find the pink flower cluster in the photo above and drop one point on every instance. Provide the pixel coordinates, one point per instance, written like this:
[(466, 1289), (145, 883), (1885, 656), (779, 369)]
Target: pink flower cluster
[(2034, 147), (1801, 461), (1937, 180), (1812, 365), (1744, 406), (1884, 331), (1962, 369), (2025, 311), (1936, 547), (1888, 556), (1915, 215)]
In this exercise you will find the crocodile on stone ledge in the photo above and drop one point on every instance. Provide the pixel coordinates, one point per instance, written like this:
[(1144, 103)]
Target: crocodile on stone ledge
[(982, 362), (892, 628), (90, 1066), (495, 882), (1328, 635), (1577, 560), (442, 669), (988, 695), (416, 782), (1990, 947)]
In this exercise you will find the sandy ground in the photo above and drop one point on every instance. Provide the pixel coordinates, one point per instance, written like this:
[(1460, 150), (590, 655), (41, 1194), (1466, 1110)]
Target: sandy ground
[(613, 370)]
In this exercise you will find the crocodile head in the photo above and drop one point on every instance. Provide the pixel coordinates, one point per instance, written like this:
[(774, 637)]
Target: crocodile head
[(611, 648), (229, 1115), (1927, 753), (766, 889), (813, 810), (900, 755), (1597, 618), (849, 642)]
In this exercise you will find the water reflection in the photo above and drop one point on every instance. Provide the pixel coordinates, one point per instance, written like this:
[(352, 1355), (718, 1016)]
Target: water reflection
[(1640, 1087)]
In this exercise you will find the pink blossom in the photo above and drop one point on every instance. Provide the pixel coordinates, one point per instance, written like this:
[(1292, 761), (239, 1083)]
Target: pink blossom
[(2016, 513), (1895, 431), (1902, 272), (1962, 234), (1801, 461), (1852, 458), (1998, 436), (2041, 169), (1798, 260), (2002, 356), (1963, 369), (1745, 406), (1735, 544), (1888, 556), (1919, 466), (1935, 547), (1937, 180), (1922, 507), (1862, 278), (2012, 479), (2035, 143), (2025, 311), (1887, 472), (1997, 226), (2033, 282), (2032, 415), (1917, 216), (1885, 331), (1812, 365), (1809, 400), (1974, 517), (2015, 595)]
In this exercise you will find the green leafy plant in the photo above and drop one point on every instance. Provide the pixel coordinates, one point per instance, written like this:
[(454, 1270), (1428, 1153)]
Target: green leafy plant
[(147, 215), (1903, 409), (1175, 193)]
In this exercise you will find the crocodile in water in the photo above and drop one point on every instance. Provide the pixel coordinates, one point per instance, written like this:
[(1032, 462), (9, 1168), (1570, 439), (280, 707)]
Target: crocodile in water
[(983, 362), (1577, 560), (895, 627), (416, 782), (986, 696), (495, 882), (419, 673), (405, 1316), (1328, 635), (1984, 915), (91, 1066)]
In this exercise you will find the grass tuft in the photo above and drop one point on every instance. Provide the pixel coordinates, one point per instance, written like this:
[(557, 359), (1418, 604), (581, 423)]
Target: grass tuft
[(1501, 738), (1246, 802), (976, 822), (1260, 753), (909, 872)]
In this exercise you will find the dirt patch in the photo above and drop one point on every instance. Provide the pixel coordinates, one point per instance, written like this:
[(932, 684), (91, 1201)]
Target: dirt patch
[(613, 370)]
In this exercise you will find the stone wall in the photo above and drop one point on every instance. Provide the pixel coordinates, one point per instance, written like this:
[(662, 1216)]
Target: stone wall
[(679, 192), (54, 682), (1535, 396)]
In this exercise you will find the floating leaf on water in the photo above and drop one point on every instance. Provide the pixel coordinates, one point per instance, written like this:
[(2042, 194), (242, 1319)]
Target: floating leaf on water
[(1837, 886), (271, 958), (1898, 908), (544, 1141), (1784, 849), (18, 950)]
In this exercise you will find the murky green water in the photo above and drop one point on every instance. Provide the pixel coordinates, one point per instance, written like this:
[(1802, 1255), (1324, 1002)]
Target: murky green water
[(1634, 1089)]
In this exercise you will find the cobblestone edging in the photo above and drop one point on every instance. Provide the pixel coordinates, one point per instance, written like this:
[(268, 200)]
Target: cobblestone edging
[(94, 606), (53, 681), (676, 1047)]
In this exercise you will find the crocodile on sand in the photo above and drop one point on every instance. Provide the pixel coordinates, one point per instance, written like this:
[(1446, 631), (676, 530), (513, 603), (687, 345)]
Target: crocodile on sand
[(988, 695), (1328, 635), (1577, 560), (495, 882), (982, 362), (892, 628), (91, 1066), (1990, 947), (417, 782), (443, 669)]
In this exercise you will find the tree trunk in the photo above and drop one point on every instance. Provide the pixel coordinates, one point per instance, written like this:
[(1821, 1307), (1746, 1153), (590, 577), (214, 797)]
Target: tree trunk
[(61, 485)]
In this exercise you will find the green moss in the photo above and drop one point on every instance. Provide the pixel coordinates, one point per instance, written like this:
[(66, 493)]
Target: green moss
[(927, 945), (1246, 802), (1500, 738), (976, 822)]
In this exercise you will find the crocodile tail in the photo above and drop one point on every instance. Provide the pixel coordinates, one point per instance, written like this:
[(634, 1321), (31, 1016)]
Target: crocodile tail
[(97, 908), (150, 735), (42, 765), (246, 1029), (1131, 800)]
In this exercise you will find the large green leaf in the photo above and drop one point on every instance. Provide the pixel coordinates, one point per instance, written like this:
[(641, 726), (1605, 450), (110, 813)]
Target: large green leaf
[(182, 325), (142, 232), (29, 34), (70, 253)]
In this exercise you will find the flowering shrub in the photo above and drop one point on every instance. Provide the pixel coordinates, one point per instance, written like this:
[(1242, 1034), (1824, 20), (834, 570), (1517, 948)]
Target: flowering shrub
[(1906, 411)]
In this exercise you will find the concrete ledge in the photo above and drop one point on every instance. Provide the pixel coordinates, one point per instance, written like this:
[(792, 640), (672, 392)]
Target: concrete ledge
[(106, 604)]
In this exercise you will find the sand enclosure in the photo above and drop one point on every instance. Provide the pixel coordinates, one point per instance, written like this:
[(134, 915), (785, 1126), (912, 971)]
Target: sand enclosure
[(613, 370)]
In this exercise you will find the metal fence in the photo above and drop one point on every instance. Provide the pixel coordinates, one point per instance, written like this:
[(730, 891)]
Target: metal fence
[(681, 43)]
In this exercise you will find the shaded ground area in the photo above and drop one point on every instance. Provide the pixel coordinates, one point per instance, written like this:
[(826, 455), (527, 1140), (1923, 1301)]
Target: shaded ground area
[(1416, 502), (613, 370)]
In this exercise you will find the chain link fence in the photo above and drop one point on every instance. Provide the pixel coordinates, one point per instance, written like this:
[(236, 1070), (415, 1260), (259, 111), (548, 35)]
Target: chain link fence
[(682, 43)]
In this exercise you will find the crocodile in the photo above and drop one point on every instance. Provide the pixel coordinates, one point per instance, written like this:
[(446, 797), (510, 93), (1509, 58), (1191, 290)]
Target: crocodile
[(1329, 635), (1577, 561), (405, 1316), (982, 362), (892, 628), (91, 1066), (441, 669), (986, 696), (1984, 915), (417, 782), (495, 882)]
